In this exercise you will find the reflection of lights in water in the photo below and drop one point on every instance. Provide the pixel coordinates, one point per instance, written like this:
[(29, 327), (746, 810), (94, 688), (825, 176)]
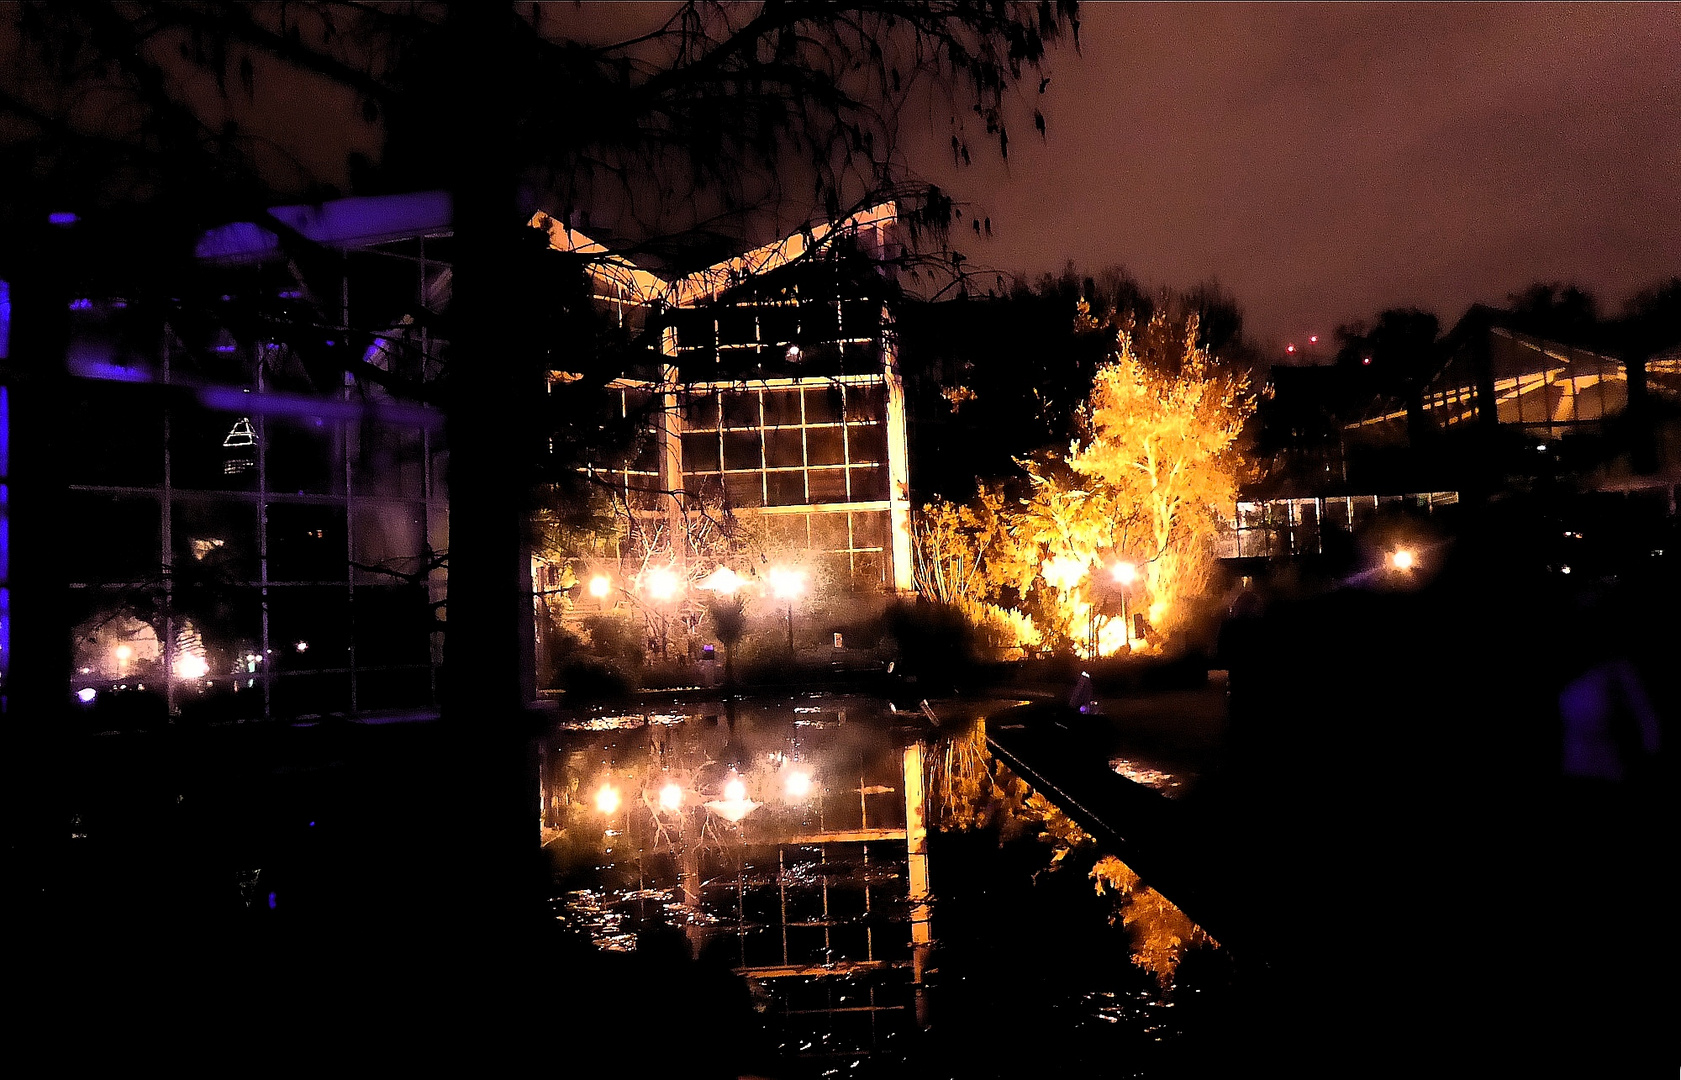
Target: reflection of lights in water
[(671, 797), (732, 809), (799, 784), (607, 799), (1144, 774)]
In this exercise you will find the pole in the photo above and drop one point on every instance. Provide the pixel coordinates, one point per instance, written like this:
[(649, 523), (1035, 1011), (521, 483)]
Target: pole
[(790, 627)]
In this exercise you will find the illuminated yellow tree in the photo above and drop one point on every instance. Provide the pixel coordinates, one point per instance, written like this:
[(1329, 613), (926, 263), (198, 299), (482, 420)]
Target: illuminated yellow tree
[(1158, 460), (1147, 482)]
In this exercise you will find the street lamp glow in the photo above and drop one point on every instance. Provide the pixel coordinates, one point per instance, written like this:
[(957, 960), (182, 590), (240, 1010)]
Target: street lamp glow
[(607, 798), (662, 583), (1063, 572), (671, 798), (735, 791), (1126, 573), (786, 584), (599, 584), (1402, 560), (799, 784), (723, 581), (124, 652)]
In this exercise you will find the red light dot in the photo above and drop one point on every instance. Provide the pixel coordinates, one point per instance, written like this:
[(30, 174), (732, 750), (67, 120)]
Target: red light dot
[(1289, 348)]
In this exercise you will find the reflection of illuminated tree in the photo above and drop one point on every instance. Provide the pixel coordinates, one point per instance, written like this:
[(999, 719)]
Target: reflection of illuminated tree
[(969, 789), (1160, 932)]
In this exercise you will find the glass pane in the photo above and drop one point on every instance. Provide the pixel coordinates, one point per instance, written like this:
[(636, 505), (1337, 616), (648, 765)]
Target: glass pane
[(860, 318), (784, 448), (389, 460), (819, 320), (301, 456), (741, 409), (744, 489), (118, 436), (825, 446), (823, 405), (700, 452), (213, 450), (393, 626), (782, 407), (866, 442), (389, 536), (112, 540), (741, 450), (736, 326), (786, 488), (870, 530), (215, 539), (829, 532), (701, 411), (869, 483), (307, 543), (826, 485), (309, 627)]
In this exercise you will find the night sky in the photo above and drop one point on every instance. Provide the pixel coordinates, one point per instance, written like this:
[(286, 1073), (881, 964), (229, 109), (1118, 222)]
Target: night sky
[(1326, 161)]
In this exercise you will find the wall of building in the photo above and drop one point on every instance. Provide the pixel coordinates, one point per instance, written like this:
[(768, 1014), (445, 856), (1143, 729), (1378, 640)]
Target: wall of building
[(260, 517)]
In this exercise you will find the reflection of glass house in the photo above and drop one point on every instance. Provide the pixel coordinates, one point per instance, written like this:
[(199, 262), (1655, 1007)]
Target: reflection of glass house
[(267, 515), (778, 397)]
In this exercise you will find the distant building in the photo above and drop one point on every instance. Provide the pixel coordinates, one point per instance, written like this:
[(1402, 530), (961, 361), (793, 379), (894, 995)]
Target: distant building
[(1503, 411)]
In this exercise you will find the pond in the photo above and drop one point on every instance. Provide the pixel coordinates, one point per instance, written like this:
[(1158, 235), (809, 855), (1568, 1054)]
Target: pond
[(881, 895)]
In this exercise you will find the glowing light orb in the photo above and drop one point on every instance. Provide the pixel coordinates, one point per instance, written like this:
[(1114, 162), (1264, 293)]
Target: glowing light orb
[(799, 784), (671, 798), (1063, 572), (662, 583), (191, 667), (599, 584), (607, 798), (723, 581), (86, 695), (1126, 573), (1402, 560), (735, 791), (786, 584), (124, 652)]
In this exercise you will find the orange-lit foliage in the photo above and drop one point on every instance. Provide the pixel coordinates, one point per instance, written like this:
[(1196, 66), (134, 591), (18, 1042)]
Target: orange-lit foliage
[(1160, 932), (1146, 481)]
